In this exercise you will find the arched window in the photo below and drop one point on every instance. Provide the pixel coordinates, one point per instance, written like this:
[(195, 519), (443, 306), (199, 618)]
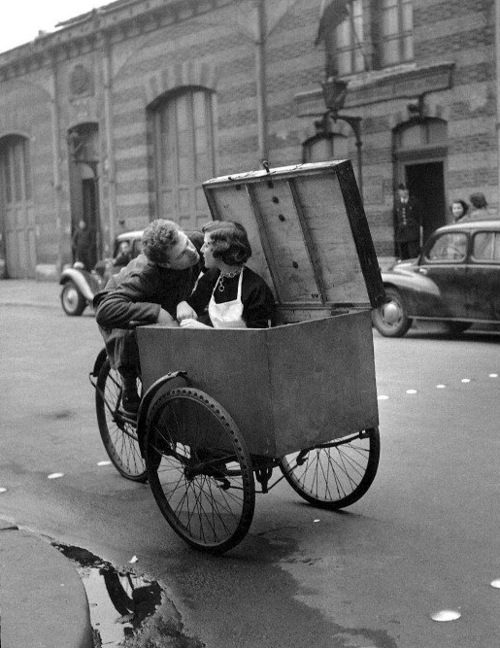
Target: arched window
[(184, 152), (16, 206)]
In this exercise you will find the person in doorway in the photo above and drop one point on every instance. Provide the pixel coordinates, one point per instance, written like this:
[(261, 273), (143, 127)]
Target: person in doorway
[(229, 294), (146, 291), (407, 224), (459, 210), (80, 243), (479, 206)]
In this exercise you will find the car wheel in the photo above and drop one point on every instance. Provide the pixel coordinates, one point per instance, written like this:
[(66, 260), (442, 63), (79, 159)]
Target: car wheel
[(391, 319), (72, 300)]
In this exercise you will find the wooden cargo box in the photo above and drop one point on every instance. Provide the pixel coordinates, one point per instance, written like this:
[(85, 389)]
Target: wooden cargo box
[(311, 378)]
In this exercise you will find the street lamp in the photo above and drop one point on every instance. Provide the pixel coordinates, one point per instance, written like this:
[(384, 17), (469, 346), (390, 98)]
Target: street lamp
[(334, 95)]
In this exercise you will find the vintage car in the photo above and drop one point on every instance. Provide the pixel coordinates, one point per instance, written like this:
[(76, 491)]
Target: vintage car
[(79, 286), (456, 280)]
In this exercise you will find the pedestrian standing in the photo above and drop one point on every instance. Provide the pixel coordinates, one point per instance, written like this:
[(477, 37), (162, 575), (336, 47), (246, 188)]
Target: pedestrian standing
[(407, 224), (479, 206), (81, 243), (459, 210)]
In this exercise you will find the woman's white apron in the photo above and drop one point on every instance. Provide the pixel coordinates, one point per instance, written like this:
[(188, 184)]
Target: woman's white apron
[(227, 314)]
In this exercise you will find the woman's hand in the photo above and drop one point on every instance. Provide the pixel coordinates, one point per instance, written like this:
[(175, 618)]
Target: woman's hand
[(165, 319), (184, 311), (193, 324)]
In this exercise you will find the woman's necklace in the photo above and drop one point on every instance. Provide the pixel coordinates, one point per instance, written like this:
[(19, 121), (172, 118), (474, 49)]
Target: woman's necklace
[(227, 275)]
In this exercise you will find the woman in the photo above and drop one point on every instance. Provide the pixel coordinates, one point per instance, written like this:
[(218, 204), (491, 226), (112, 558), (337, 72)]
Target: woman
[(229, 294), (459, 209)]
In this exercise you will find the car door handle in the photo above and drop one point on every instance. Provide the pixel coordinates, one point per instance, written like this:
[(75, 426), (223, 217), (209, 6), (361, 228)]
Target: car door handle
[(423, 271)]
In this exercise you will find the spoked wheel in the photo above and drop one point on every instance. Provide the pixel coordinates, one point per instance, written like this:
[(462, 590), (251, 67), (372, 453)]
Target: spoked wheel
[(199, 470), (335, 474), (118, 432)]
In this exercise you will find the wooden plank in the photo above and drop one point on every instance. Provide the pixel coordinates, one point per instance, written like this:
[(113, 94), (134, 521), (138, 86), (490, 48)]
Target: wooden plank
[(311, 249)]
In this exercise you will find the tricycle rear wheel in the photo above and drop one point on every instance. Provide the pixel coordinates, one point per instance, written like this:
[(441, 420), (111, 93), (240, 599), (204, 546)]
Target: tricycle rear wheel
[(335, 474), (118, 432), (199, 470)]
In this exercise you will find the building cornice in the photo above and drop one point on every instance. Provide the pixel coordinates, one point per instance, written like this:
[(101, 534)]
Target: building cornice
[(401, 82), (85, 33)]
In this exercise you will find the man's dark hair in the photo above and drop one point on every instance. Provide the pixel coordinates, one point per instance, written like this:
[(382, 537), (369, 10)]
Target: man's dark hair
[(158, 238), (478, 200)]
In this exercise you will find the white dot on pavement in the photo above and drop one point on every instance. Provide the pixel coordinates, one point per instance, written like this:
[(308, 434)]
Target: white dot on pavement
[(411, 391), (446, 615), (55, 475), (383, 397), (466, 380), (2, 489), (493, 375), (495, 583), (440, 386), (103, 463)]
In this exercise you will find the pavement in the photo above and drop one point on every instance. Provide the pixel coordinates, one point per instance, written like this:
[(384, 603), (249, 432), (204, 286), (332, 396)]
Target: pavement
[(43, 603)]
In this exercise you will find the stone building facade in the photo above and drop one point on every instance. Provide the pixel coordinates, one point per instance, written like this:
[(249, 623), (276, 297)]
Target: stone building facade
[(119, 115)]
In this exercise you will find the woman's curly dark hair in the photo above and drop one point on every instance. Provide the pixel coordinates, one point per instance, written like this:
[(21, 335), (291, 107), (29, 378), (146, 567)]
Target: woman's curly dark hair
[(229, 242), (158, 238), (459, 201)]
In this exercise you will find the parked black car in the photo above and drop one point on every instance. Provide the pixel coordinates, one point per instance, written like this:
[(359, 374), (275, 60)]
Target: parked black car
[(79, 285), (456, 279)]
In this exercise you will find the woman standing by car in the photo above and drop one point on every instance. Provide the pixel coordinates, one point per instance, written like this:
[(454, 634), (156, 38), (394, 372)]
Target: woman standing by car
[(459, 209)]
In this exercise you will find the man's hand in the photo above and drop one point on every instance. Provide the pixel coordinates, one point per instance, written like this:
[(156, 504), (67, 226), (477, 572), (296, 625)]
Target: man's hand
[(193, 324), (184, 311), (165, 319)]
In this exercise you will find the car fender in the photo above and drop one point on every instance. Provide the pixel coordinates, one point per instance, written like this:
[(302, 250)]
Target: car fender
[(85, 283), (414, 288)]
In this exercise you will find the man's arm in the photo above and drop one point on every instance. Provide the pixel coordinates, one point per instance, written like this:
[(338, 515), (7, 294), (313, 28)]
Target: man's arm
[(130, 302)]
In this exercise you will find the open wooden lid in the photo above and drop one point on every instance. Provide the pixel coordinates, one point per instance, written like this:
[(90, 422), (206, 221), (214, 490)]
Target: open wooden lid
[(308, 230)]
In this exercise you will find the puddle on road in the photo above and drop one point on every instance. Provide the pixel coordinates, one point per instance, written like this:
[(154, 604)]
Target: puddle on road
[(121, 604)]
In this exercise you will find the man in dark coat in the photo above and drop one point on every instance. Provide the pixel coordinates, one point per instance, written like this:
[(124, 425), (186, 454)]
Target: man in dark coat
[(81, 243), (146, 291), (407, 224)]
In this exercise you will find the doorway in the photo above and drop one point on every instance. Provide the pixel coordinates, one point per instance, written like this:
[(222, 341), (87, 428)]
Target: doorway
[(84, 184), (425, 182)]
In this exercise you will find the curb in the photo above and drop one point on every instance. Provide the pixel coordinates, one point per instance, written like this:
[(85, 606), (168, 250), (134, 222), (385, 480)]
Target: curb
[(43, 600)]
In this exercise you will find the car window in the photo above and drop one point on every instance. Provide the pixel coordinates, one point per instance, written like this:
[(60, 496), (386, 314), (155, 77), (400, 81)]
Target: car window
[(137, 249), (486, 247), (448, 247)]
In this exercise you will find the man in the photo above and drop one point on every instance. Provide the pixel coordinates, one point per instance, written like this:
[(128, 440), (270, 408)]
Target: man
[(407, 223), (479, 208), (81, 243), (146, 291)]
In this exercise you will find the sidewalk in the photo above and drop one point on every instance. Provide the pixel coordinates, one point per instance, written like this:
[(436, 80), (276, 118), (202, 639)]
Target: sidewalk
[(43, 603), (28, 292)]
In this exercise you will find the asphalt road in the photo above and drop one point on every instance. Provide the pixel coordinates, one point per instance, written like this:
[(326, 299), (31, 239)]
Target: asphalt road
[(423, 539)]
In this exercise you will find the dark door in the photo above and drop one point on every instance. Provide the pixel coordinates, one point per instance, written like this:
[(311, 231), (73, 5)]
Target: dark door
[(484, 276), (444, 263), (425, 182), (90, 215)]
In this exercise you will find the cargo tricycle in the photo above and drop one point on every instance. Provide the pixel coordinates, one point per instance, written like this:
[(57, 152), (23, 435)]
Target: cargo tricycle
[(223, 408)]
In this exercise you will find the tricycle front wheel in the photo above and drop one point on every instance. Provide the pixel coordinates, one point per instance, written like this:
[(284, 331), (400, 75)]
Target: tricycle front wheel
[(199, 469), (335, 474)]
